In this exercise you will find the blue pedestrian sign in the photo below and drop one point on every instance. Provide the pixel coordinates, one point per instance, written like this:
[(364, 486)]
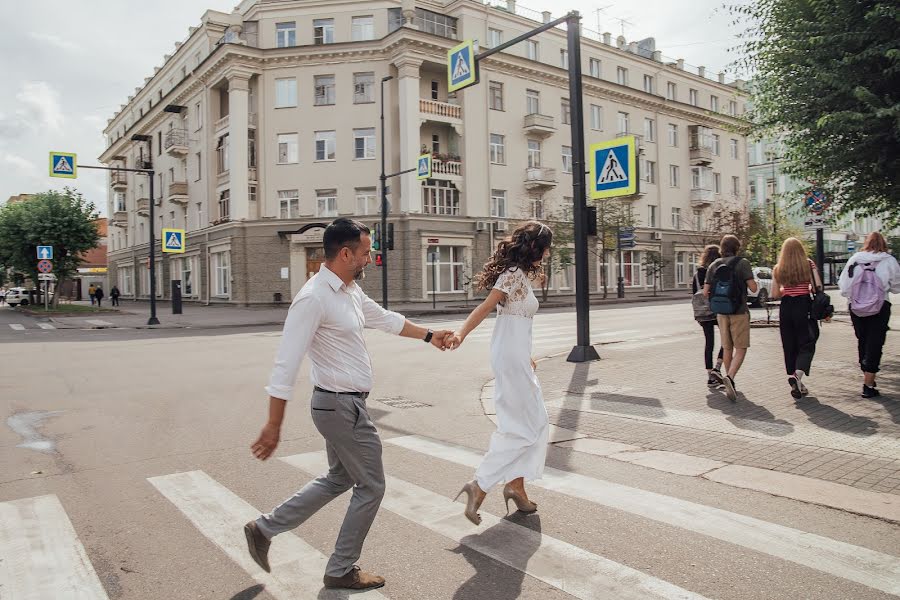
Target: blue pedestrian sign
[(423, 171), (173, 241), (462, 68), (613, 168), (45, 252), (63, 164), (851, 246)]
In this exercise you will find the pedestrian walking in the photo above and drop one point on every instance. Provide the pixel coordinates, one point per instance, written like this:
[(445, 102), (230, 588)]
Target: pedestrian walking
[(2, 295), (727, 281), (706, 318), (91, 292), (795, 279), (867, 281), (99, 295), (326, 320), (518, 447), (114, 295)]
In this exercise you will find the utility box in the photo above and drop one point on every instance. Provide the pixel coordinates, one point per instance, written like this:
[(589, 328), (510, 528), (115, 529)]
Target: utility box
[(176, 296)]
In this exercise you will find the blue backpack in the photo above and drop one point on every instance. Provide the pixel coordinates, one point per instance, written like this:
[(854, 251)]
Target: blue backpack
[(727, 290)]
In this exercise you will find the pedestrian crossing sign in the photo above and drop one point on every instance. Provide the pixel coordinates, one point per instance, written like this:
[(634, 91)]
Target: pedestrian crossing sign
[(423, 171), (462, 68), (613, 168), (173, 241), (63, 164)]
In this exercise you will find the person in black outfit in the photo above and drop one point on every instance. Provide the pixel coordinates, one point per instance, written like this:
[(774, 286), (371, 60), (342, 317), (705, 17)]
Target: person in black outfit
[(714, 374), (98, 294), (114, 295)]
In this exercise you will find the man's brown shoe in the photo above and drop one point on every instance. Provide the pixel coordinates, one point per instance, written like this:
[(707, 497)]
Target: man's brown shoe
[(354, 580), (258, 545)]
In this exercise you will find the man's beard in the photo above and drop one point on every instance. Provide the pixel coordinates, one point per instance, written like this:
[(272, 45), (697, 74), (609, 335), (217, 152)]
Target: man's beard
[(360, 274)]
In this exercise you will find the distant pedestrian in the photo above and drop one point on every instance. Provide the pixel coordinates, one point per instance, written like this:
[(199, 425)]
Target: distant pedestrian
[(98, 294), (91, 292), (706, 318), (2, 295), (868, 280), (727, 281), (114, 295), (795, 279)]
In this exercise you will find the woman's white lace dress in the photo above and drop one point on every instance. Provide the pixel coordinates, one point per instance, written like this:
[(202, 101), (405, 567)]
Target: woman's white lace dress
[(519, 446)]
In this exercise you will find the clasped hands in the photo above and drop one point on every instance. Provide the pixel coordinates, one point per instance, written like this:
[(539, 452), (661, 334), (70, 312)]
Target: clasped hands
[(446, 340)]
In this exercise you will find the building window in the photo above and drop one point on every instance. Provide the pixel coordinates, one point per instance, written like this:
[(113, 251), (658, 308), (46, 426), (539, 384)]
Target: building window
[(286, 34), (224, 204), (701, 178), (120, 202), (648, 171), (287, 148), (532, 102), (198, 115), (564, 59), (566, 111), (596, 117), (126, 280), (651, 221), (323, 31), (435, 143), (534, 51), (698, 220), (534, 154), (199, 162), (286, 92), (622, 122), (496, 95), (716, 144), (537, 208), (498, 149), (288, 204), (650, 130), (717, 183), (594, 67), (714, 103), (671, 91), (364, 143), (672, 130), (734, 148), (326, 203), (693, 97), (631, 267), (676, 218), (325, 92), (621, 75), (679, 266), (440, 197), (567, 159), (732, 108), (449, 268), (326, 142), (434, 90), (674, 176), (362, 28), (363, 88), (498, 203), (187, 276), (221, 264), (367, 202), (753, 197), (222, 154), (736, 186), (495, 38), (431, 22), (648, 84)]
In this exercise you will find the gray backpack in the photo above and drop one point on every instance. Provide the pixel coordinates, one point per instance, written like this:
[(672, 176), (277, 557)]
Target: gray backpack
[(700, 303)]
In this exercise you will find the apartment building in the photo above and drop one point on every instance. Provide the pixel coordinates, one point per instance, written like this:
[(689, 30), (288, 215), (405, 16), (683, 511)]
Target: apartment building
[(266, 120)]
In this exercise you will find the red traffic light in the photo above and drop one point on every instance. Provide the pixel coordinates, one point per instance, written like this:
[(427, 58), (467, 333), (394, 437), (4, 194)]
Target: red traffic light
[(378, 261)]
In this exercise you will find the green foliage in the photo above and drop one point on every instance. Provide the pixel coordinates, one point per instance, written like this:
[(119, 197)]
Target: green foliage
[(653, 265), (612, 214), (827, 82), (894, 245), (764, 234)]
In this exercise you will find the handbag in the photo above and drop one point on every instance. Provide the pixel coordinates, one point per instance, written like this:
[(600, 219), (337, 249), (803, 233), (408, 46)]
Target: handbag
[(821, 307), (700, 304)]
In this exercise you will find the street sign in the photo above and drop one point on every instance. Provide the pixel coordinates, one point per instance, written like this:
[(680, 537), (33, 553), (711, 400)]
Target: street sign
[(45, 266), (63, 164), (851, 246), (423, 171), (173, 241), (462, 68), (613, 168), (815, 222), (816, 201), (45, 252), (46, 277)]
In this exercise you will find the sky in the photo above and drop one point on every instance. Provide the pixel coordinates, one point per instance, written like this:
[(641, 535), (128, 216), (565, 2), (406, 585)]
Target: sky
[(66, 71)]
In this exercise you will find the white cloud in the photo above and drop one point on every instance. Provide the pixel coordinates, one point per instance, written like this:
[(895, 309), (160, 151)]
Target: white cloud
[(53, 40), (37, 109), (23, 166)]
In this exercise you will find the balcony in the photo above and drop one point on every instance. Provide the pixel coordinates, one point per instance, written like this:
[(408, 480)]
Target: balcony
[(701, 155), (221, 124), (120, 218), (118, 180), (446, 168), (540, 178), (443, 112), (252, 174), (701, 145), (176, 143), (701, 197), (178, 192), (539, 125), (143, 206)]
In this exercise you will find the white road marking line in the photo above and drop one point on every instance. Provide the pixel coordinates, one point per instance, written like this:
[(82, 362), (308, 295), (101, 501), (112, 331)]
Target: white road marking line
[(220, 515), (99, 323), (17, 326), (854, 563), (562, 565), (46, 326), (40, 555)]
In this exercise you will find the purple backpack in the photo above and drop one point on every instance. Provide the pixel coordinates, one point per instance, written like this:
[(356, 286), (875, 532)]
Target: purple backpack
[(866, 293)]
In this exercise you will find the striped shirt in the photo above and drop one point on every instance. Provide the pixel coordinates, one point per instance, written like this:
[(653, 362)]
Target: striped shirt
[(800, 289)]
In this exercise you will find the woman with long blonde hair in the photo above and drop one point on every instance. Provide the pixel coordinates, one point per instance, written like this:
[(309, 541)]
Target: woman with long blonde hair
[(795, 279)]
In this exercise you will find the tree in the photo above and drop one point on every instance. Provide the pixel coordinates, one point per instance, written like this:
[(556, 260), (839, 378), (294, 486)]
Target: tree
[(64, 220), (765, 233), (612, 214), (653, 265), (827, 82)]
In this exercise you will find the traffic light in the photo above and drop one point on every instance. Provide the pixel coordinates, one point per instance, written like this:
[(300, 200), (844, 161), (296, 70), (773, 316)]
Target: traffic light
[(390, 237), (378, 260), (376, 242)]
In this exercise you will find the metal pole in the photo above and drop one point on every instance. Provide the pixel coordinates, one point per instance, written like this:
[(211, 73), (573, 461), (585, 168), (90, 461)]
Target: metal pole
[(152, 320), (820, 249), (433, 282), (384, 207), (583, 351)]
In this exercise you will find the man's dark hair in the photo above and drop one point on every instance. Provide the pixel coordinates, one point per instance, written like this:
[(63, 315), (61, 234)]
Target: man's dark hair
[(730, 245), (342, 233)]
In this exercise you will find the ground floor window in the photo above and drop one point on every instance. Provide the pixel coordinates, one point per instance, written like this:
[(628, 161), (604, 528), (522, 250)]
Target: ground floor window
[(440, 197), (221, 267), (447, 273), (631, 265), (185, 270), (680, 267), (126, 281)]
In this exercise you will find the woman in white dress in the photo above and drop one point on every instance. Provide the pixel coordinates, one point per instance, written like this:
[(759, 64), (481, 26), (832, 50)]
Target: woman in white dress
[(519, 446)]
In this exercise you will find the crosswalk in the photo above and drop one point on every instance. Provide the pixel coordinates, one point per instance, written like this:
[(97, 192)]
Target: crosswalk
[(42, 557), (21, 327)]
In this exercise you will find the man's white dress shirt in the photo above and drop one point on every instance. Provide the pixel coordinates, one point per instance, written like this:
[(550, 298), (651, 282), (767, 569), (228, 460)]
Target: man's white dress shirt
[(326, 320)]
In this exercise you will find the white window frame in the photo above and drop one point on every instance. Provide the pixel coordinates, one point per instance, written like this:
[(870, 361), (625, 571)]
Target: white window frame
[(323, 32), (714, 104), (497, 145), (533, 49), (326, 203), (676, 217), (367, 135), (650, 130), (198, 116), (534, 154), (564, 59), (221, 267), (363, 88), (325, 90), (326, 146), (532, 102), (674, 176), (288, 204), (291, 148), (595, 68), (498, 204), (567, 159), (565, 109), (495, 37), (286, 92), (596, 117), (716, 144), (362, 28), (126, 280), (495, 95), (672, 135), (733, 147), (623, 123), (671, 91), (367, 201), (717, 183), (694, 97), (286, 34), (633, 266), (621, 75), (648, 171), (680, 264), (649, 84), (537, 208), (440, 197), (457, 261)]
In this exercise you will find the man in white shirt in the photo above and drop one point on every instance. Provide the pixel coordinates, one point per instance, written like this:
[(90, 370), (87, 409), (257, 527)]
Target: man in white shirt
[(327, 320)]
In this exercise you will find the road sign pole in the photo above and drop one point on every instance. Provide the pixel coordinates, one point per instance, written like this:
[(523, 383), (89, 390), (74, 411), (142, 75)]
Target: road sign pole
[(384, 204), (820, 249), (152, 320)]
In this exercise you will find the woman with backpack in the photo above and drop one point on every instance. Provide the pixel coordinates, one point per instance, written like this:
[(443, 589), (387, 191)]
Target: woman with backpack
[(705, 317), (795, 278), (867, 281)]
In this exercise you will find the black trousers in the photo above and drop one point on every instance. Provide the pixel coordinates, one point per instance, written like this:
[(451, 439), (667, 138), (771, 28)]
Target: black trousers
[(709, 331), (799, 333), (870, 335)]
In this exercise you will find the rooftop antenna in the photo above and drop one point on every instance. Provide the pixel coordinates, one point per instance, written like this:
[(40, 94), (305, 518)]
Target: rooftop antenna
[(623, 22), (597, 11)]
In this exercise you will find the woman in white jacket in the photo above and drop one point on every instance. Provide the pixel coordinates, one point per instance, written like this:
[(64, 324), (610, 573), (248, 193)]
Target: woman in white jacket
[(871, 329)]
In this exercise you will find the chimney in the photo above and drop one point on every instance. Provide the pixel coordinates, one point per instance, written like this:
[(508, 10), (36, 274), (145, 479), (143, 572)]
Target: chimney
[(657, 55), (722, 78), (607, 38), (701, 71), (620, 42), (547, 16), (633, 47), (680, 64), (511, 6), (740, 84)]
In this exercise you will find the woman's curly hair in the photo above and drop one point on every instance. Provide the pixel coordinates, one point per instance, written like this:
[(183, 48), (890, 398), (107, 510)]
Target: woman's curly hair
[(522, 249)]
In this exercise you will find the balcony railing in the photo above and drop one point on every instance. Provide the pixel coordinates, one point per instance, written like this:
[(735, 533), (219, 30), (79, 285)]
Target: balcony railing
[(143, 206), (537, 124), (120, 218), (440, 166), (221, 124), (440, 109), (178, 191), (118, 180), (176, 142), (538, 177), (701, 197)]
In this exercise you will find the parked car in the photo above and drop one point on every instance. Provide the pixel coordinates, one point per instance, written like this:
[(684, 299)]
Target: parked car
[(764, 281), (19, 296)]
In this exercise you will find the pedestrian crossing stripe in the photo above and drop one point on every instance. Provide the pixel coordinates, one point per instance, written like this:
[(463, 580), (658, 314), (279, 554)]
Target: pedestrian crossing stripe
[(63, 164), (173, 241)]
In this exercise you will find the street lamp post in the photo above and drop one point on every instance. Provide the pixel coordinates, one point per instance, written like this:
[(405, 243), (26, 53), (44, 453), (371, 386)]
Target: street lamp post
[(384, 206), (152, 216)]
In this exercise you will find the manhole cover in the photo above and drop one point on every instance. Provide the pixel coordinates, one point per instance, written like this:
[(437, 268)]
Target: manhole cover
[(401, 402)]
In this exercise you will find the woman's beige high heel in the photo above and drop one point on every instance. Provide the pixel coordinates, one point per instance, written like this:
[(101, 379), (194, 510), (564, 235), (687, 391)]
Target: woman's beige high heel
[(473, 502), (522, 504)]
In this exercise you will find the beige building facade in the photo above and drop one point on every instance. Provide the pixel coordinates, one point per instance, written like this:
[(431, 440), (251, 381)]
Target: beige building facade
[(266, 120)]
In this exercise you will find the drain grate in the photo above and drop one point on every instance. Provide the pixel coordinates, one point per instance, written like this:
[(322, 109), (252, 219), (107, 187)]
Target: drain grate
[(401, 402)]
